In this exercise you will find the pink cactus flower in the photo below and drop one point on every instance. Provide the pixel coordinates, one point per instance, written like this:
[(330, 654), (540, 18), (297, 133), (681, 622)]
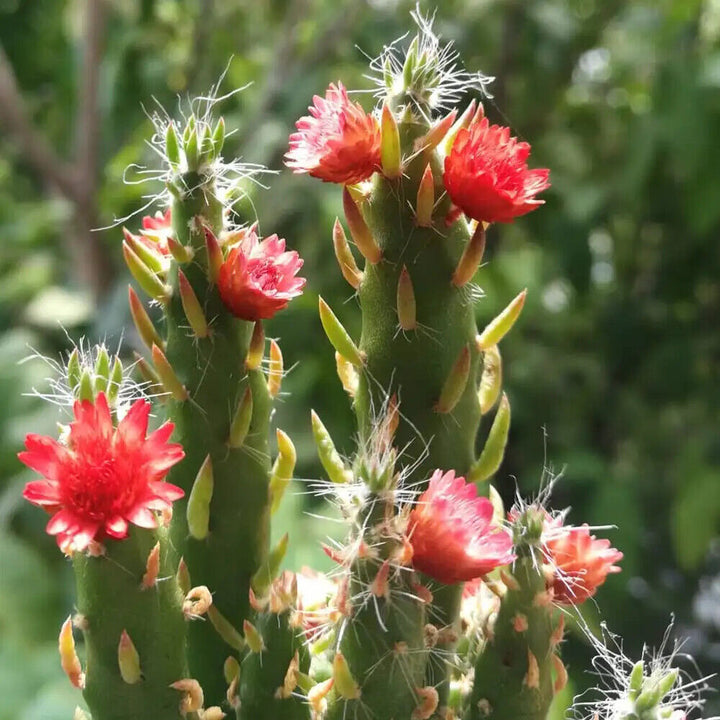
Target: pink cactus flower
[(105, 477), (338, 142), (487, 177), (257, 279), (452, 534), (581, 562)]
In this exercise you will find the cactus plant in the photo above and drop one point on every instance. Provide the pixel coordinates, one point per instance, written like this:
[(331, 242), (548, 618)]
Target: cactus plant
[(441, 605)]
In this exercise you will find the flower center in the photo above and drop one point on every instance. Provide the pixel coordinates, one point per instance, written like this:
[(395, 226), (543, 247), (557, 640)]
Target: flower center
[(100, 488), (266, 275)]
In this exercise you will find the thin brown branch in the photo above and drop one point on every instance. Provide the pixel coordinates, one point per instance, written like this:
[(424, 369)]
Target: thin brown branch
[(35, 149), (94, 268)]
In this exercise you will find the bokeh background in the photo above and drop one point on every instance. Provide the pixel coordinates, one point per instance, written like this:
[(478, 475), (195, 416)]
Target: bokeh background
[(613, 371)]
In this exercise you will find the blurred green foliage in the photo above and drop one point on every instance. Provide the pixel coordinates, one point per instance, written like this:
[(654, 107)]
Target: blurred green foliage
[(614, 369)]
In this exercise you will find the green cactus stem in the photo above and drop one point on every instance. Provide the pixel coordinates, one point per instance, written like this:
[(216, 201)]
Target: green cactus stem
[(514, 669), (206, 347), (112, 600), (270, 672), (381, 635)]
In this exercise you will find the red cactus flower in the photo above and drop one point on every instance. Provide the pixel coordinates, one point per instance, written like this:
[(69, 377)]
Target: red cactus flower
[(451, 532), (487, 177), (105, 477), (258, 277), (338, 142), (581, 562)]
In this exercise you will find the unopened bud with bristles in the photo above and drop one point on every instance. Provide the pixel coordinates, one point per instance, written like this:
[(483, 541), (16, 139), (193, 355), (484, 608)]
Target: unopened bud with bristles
[(502, 324), (290, 681), (168, 379), (347, 373), (224, 628), (102, 370), (317, 694), (73, 369), (192, 150), (436, 134), (256, 350), (491, 379), (231, 669), (494, 451), (116, 379), (345, 684), (182, 577), (346, 261), (145, 277), (218, 136), (214, 255), (455, 382), (532, 676), (86, 390), (152, 567), (69, 661), (128, 660), (198, 506), (253, 638), (329, 457), (191, 305), (192, 695), (471, 258), (181, 254), (380, 586), (338, 335), (462, 122), (406, 306), (172, 146), (275, 370), (282, 470), (146, 254), (360, 232), (264, 576), (425, 199), (390, 159), (143, 324), (240, 424), (147, 372), (561, 675)]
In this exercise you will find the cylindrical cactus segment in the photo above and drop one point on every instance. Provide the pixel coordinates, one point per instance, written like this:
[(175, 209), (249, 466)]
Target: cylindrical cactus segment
[(276, 658), (514, 669), (105, 483), (131, 681), (439, 417), (222, 419), (381, 640)]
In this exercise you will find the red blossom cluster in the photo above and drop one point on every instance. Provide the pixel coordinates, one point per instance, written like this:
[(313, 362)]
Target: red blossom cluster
[(485, 172), (105, 477), (452, 533), (258, 277)]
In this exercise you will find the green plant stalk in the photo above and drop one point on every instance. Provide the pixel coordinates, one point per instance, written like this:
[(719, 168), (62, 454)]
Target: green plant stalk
[(415, 364), (111, 598), (507, 686), (212, 370), (382, 639), (262, 674)]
